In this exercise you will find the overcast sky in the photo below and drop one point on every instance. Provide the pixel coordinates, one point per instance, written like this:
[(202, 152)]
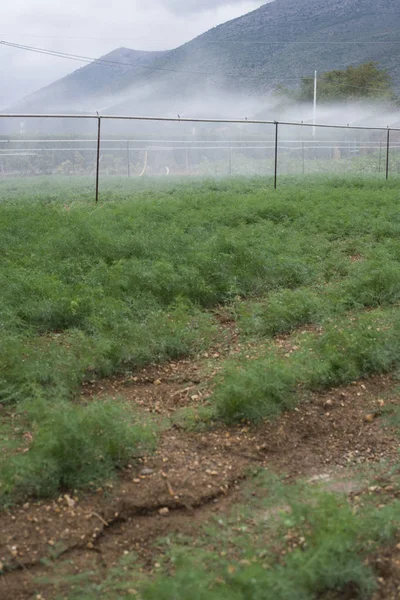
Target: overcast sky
[(95, 27)]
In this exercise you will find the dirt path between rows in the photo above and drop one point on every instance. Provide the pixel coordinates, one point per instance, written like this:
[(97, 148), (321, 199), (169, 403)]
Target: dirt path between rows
[(192, 476)]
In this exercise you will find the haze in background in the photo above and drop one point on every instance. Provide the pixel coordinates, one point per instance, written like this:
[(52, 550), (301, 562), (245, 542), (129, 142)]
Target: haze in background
[(151, 25)]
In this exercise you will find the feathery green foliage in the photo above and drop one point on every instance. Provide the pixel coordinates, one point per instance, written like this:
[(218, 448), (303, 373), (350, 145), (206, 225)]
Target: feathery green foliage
[(73, 447), (350, 349), (90, 291)]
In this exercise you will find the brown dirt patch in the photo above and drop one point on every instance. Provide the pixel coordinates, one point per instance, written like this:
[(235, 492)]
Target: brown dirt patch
[(193, 475), (387, 565), (357, 258)]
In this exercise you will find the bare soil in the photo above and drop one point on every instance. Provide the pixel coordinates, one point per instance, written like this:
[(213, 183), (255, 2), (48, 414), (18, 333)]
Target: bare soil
[(194, 475)]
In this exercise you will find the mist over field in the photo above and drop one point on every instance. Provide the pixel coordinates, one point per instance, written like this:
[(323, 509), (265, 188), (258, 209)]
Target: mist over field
[(214, 104), (258, 66), (153, 26)]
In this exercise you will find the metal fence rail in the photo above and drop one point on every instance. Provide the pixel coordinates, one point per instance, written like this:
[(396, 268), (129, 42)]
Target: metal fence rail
[(121, 145)]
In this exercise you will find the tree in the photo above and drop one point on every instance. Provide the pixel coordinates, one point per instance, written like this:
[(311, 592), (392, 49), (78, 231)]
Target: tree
[(366, 81)]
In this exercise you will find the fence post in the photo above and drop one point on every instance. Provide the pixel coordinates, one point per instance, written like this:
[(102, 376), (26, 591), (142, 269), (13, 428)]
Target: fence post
[(276, 156), (230, 160), (98, 157), (387, 153), (128, 156)]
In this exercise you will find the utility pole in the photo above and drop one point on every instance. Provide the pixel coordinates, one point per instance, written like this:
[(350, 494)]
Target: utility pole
[(315, 103)]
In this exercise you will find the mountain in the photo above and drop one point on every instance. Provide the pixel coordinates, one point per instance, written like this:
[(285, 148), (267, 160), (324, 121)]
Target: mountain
[(250, 55), (84, 88)]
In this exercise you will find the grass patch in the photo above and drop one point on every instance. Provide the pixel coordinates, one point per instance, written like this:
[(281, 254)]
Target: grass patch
[(72, 447), (347, 350), (369, 284), (123, 283), (281, 312)]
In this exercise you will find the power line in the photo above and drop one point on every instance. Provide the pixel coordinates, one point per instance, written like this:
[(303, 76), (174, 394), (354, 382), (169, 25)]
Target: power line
[(87, 59), (106, 62), (210, 42), (112, 63)]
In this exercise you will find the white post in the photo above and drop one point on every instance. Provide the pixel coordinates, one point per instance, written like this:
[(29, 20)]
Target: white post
[(315, 102)]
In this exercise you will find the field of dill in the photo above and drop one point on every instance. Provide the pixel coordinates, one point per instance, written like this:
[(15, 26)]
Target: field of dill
[(88, 291)]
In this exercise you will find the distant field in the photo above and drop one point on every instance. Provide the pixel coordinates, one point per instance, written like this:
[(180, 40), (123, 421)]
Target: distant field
[(151, 275), (81, 189)]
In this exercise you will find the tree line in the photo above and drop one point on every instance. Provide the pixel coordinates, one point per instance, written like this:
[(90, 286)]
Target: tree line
[(363, 82)]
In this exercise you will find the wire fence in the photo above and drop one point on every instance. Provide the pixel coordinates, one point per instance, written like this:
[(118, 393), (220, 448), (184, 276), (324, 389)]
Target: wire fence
[(98, 147)]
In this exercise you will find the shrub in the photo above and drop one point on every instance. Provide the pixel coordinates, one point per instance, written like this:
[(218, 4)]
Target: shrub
[(254, 390), (349, 351), (374, 284), (73, 447)]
